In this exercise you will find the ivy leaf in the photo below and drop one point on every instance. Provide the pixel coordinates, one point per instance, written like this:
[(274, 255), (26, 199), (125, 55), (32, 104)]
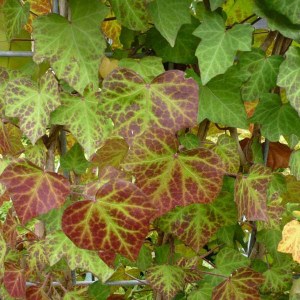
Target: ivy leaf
[(16, 16), (166, 280), (36, 293), (290, 242), (168, 16), (112, 30), (37, 153), (227, 150), (221, 102), (214, 4), (237, 10), (73, 48), (32, 190), (295, 164), (14, 280), (148, 67), (263, 71), (111, 153), (185, 46), (37, 258), (196, 223), (170, 101), (276, 118), (117, 221), (289, 76), (144, 259), (3, 249), (58, 246), (218, 46), (279, 15), (170, 178), (74, 160), (10, 139), (32, 103), (241, 285), (251, 193), (131, 14), (85, 120)]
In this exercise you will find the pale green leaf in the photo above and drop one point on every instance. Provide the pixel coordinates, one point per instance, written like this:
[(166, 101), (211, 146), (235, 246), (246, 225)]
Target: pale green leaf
[(32, 103), (289, 76), (203, 293), (144, 259), (2, 253), (37, 153), (73, 48), (85, 120), (148, 67), (218, 46), (169, 16), (214, 4), (237, 10), (295, 163)]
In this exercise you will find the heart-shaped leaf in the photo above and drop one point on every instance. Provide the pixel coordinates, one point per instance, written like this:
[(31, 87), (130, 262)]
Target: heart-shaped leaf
[(14, 280)]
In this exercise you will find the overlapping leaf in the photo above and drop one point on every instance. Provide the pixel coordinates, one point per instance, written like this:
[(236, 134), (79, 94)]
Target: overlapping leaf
[(131, 14), (148, 67), (84, 119), (290, 242), (32, 190), (276, 118), (73, 48), (37, 153), (74, 160), (251, 193), (289, 76), (112, 30), (168, 16), (295, 164), (32, 103), (14, 280), (218, 46), (170, 178), (36, 293), (166, 280), (238, 10), (16, 15), (196, 223), (111, 153), (170, 101), (59, 246), (241, 285), (263, 73), (117, 221), (3, 249)]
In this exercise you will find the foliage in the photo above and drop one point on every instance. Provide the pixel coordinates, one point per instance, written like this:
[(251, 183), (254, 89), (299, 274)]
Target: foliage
[(150, 140)]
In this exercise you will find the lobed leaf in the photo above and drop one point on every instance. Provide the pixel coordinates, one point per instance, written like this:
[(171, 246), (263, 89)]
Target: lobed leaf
[(14, 280), (32, 103), (170, 101), (251, 193), (33, 191), (117, 221), (294, 164), (73, 48), (36, 293), (171, 178), (37, 153)]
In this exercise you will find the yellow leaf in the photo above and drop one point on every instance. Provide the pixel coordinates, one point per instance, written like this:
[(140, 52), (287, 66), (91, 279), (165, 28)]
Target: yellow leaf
[(290, 242), (112, 30), (107, 66)]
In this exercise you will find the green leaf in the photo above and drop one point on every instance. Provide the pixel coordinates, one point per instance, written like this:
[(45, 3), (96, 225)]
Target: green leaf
[(59, 246), (170, 101), (16, 15), (74, 160), (263, 71), (221, 102), (73, 48), (295, 164), (227, 150), (280, 16), (251, 193), (241, 285), (99, 291), (144, 260), (189, 141), (185, 46), (214, 4), (131, 14), (37, 153), (148, 67), (117, 221), (203, 293), (196, 223), (276, 118), (168, 16), (32, 190), (238, 10), (32, 103), (172, 178), (166, 280), (218, 46), (85, 120), (289, 76), (3, 249)]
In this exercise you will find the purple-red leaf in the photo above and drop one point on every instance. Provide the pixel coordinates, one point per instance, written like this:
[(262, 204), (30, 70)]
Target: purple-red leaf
[(34, 191), (14, 280)]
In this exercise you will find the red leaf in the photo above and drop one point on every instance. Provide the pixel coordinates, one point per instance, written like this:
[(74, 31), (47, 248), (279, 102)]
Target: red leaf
[(14, 280), (34, 191), (36, 293), (10, 232)]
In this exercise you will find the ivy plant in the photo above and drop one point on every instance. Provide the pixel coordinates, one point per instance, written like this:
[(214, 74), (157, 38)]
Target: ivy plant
[(149, 149)]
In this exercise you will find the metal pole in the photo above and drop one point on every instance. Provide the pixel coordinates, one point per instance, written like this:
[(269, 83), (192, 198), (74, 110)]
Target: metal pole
[(16, 53)]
